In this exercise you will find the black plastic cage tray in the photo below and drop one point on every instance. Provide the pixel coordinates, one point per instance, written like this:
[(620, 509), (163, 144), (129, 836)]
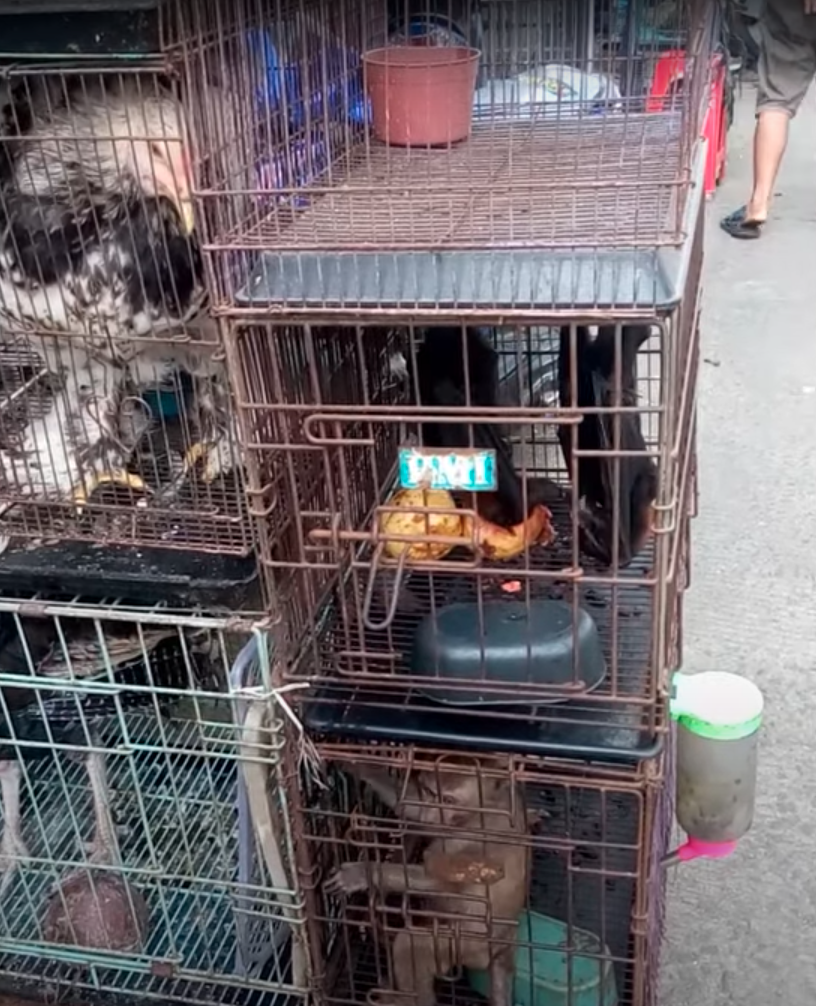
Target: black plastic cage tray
[(144, 575), (346, 712), (77, 28), (609, 730)]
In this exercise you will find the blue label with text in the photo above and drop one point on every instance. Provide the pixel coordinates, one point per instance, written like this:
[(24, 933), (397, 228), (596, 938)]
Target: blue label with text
[(422, 468)]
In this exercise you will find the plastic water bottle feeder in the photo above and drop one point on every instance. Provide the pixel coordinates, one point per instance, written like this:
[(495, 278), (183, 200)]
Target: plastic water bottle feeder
[(718, 717)]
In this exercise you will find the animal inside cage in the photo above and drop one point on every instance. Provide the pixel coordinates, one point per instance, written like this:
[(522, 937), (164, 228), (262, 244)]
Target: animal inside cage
[(147, 847), (436, 154), (116, 424), (475, 533), (440, 878)]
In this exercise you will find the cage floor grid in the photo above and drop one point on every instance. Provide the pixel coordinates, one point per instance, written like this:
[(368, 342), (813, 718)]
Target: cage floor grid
[(178, 512), (589, 213), (174, 806), (605, 181)]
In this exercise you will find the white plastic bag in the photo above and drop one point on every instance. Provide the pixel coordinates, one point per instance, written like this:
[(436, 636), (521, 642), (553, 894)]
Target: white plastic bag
[(555, 89)]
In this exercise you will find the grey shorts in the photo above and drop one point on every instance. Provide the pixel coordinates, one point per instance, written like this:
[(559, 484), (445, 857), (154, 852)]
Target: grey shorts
[(787, 60)]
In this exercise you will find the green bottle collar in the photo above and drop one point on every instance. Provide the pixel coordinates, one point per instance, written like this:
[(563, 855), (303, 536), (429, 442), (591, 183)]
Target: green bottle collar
[(716, 704)]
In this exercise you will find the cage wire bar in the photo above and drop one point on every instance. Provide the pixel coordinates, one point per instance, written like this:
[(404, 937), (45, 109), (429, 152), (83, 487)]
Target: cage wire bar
[(116, 424), (574, 188), (578, 845), (331, 415), (155, 734)]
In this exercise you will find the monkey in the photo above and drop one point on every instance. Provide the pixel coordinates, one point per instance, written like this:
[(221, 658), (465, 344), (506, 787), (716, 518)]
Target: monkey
[(478, 874), (637, 476)]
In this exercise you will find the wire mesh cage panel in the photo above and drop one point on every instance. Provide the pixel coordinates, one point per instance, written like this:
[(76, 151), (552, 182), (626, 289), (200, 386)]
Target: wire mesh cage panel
[(116, 424), (450, 879), (474, 532), (429, 154), (147, 846)]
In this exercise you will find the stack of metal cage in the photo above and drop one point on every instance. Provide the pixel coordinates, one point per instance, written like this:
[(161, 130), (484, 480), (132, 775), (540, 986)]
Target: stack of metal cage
[(147, 846), (353, 279), (258, 670), (119, 456), (169, 715)]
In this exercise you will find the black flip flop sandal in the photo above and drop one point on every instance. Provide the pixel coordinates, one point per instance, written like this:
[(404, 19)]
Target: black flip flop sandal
[(739, 227)]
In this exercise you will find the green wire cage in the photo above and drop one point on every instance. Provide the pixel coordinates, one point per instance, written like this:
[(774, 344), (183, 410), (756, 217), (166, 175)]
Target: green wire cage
[(147, 850)]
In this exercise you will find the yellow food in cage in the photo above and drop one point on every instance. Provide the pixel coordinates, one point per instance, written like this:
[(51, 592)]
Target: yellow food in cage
[(442, 519)]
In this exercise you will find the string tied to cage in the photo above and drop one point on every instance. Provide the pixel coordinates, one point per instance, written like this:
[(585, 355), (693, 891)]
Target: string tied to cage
[(308, 756)]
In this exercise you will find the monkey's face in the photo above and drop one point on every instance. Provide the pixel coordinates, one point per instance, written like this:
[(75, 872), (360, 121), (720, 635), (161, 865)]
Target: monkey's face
[(452, 798)]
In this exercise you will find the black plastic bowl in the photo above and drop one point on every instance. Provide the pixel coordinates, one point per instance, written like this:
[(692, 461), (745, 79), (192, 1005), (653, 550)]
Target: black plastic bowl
[(508, 643)]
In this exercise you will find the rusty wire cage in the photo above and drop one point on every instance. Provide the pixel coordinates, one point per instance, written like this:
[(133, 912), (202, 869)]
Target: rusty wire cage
[(116, 424), (147, 749), (365, 449), (574, 187), (562, 867)]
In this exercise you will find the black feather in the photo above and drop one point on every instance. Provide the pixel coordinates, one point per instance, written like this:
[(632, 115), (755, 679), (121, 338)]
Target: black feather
[(443, 380), (157, 264), (167, 268), (636, 485), (590, 478), (46, 238)]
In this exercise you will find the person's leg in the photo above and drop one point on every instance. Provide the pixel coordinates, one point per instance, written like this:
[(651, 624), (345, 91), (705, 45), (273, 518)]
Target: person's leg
[(770, 140), (787, 66)]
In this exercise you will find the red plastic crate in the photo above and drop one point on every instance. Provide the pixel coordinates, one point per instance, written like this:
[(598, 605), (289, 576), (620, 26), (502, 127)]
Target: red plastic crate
[(668, 76)]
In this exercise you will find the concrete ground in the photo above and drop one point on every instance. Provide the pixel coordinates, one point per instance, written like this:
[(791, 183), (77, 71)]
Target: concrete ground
[(743, 931)]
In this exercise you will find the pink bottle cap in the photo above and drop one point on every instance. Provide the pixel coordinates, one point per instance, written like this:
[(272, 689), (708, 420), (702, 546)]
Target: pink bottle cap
[(695, 848)]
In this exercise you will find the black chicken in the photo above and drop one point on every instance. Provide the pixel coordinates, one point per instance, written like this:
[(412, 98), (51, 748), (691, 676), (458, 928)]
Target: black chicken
[(636, 484), (444, 379)]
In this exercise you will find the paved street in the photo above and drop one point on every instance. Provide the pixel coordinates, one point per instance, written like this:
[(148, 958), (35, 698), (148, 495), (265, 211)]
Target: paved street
[(744, 931)]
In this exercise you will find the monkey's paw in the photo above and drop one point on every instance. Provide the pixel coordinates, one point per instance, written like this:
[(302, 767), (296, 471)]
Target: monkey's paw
[(349, 879)]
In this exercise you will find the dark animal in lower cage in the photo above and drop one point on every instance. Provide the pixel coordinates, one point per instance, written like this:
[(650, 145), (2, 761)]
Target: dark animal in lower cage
[(457, 369), (453, 878)]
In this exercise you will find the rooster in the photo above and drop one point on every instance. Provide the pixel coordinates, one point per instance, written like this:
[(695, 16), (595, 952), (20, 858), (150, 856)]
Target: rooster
[(99, 261)]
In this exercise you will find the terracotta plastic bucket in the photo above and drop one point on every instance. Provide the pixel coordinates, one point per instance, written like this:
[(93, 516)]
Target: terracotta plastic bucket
[(421, 95)]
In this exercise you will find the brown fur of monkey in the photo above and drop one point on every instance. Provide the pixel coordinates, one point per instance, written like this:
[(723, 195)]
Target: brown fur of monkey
[(481, 880)]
